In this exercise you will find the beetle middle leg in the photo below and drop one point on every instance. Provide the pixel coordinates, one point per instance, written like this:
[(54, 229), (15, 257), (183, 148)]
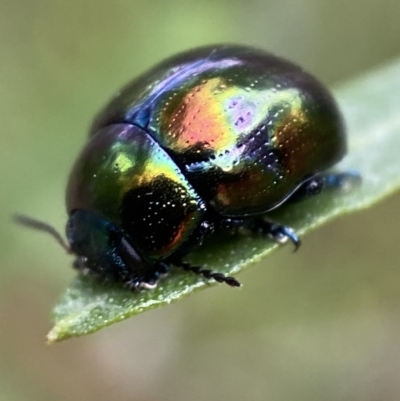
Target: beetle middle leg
[(258, 225), (277, 232)]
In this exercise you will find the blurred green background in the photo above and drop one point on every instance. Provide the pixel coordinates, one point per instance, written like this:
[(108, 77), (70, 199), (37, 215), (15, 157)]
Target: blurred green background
[(323, 324)]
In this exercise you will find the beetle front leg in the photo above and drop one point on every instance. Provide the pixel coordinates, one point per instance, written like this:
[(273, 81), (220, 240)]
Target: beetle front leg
[(160, 271)]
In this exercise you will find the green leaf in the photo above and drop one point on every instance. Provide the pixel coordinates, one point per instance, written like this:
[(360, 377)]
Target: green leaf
[(371, 108)]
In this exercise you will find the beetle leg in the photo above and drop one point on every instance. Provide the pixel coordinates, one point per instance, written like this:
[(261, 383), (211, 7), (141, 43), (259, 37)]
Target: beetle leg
[(150, 282), (231, 224), (275, 231), (209, 274), (147, 286), (139, 284), (343, 181), (80, 264)]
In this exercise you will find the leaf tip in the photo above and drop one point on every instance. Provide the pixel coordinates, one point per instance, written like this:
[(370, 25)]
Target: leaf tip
[(56, 334), (52, 337)]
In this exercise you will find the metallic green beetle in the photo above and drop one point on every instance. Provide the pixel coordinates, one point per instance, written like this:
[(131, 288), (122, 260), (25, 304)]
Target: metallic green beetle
[(213, 137)]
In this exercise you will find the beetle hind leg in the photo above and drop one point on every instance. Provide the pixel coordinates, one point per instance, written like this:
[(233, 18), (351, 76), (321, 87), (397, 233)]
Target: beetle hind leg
[(329, 180), (342, 181), (209, 274)]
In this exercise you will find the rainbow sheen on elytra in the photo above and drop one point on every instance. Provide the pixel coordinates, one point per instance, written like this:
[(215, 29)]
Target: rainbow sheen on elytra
[(212, 137), (119, 169), (246, 126)]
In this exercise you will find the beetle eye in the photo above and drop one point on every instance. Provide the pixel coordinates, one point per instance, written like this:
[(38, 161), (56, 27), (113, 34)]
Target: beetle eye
[(104, 246), (88, 234)]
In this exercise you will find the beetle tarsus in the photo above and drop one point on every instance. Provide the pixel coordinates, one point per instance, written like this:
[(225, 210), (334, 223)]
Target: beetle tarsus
[(332, 180), (209, 274), (148, 285), (344, 181), (277, 232), (282, 234)]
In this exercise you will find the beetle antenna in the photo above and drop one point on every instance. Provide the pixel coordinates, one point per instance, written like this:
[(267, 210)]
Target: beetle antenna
[(41, 226), (209, 274)]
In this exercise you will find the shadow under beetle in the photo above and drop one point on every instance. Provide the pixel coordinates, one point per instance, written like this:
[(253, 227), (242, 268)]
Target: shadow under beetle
[(212, 137)]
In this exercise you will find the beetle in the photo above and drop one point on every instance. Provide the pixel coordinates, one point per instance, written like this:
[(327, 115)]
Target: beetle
[(214, 137)]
